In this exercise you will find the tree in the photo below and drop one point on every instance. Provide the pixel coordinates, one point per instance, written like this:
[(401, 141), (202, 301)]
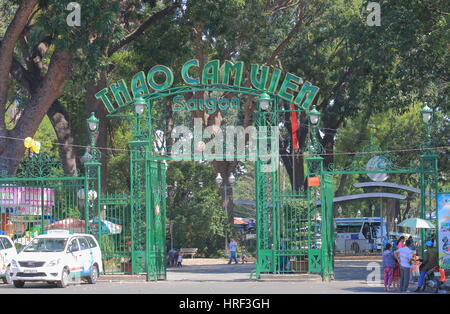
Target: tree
[(371, 69), (45, 30), (194, 207)]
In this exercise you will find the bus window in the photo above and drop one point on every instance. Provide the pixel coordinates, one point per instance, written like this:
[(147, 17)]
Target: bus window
[(366, 231), (348, 228)]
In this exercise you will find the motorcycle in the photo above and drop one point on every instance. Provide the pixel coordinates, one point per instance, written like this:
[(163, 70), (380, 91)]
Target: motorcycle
[(434, 279)]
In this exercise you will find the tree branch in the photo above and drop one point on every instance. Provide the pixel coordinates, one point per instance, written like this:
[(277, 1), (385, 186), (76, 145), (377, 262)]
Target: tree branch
[(289, 37), (141, 28)]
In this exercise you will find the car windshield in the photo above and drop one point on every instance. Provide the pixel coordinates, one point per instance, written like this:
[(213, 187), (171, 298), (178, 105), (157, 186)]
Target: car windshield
[(46, 245)]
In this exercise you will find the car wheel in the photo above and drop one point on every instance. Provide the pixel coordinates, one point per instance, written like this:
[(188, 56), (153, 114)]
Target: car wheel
[(64, 279), (92, 279), (7, 279), (18, 283)]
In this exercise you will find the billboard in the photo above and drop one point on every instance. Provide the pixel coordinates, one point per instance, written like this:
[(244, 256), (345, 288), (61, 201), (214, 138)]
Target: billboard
[(444, 230)]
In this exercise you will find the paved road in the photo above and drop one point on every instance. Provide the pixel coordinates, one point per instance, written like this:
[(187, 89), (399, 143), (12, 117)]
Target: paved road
[(351, 277)]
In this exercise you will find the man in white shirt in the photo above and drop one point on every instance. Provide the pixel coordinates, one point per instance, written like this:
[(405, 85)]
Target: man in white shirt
[(404, 256), (233, 248)]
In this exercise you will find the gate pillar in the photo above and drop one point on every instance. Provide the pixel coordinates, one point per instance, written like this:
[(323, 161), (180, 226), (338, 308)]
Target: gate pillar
[(315, 168), (327, 226), (140, 149)]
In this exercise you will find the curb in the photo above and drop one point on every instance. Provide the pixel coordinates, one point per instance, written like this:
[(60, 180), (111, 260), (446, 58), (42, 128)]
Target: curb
[(122, 278), (296, 278)]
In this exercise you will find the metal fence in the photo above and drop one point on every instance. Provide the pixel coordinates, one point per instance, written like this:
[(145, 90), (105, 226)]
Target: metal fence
[(29, 207), (116, 246), (32, 206)]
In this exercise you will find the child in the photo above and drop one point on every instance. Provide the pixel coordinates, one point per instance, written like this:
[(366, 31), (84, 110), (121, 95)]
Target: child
[(244, 255), (396, 280), (179, 260), (389, 263), (415, 268)]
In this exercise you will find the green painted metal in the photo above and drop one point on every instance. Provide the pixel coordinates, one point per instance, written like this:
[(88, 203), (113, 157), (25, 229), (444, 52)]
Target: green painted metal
[(426, 165), (156, 220), (38, 199), (293, 234), (327, 226), (116, 248), (287, 228)]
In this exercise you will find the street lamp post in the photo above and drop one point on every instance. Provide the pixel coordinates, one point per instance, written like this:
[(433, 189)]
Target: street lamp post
[(264, 101), (93, 124), (314, 119), (428, 169), (219, 181), (90, 159), (427, 120)]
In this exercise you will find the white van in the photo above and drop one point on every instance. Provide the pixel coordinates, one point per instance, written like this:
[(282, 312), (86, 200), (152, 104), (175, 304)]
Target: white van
[(58, 257), (7, 254)]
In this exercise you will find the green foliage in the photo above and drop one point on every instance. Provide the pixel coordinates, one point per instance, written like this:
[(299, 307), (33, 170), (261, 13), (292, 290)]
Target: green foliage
[(193, 205)]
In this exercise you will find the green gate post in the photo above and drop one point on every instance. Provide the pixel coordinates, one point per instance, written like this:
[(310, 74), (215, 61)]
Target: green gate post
[(139, 199), (92, 194), (326, 190), (315, 168), (92, 186), (267, 243), (429, 184)]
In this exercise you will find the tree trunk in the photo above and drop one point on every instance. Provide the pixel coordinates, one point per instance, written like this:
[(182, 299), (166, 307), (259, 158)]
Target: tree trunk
[(48, 91), (59, 119), (7, 47)]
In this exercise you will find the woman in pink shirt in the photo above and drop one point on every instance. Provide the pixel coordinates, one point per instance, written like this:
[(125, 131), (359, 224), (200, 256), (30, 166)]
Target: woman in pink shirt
[(401, 242)]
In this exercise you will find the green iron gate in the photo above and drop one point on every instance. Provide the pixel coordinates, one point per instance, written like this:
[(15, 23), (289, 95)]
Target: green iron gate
[(287, 230), (424, 165), (287, 220), (38, 199)]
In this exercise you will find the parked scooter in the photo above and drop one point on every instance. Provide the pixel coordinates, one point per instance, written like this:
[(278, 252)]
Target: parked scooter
[(434, 279)]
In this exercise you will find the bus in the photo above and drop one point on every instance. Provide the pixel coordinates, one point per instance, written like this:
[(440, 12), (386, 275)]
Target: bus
[(359, 234)]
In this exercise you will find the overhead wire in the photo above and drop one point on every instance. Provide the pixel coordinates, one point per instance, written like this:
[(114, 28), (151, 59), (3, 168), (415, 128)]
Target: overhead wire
[(125, 150)]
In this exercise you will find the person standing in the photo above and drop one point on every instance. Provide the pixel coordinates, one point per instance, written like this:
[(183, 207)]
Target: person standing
[(243, 255), (405, 256), (388, 265), (233, 249), (429, 262), (179, 260), (401, 242)]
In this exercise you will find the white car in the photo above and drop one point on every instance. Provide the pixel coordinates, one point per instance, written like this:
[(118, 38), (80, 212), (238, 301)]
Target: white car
[(7, 254), (58, 257)]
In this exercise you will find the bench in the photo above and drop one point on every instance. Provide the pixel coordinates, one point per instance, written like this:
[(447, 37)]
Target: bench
[(189, 251)]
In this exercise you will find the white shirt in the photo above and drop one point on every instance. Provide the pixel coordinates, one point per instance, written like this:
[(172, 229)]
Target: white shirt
[(233, 246), (405, 255)]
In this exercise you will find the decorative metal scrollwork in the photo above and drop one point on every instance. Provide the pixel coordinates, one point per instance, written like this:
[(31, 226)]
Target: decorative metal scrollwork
[(39, 166)]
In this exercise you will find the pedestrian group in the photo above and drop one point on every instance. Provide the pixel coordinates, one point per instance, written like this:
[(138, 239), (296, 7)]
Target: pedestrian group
[(400, 263)]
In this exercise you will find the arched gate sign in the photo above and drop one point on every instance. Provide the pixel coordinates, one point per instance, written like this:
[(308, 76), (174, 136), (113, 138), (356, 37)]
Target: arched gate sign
[(286, 225), (291, 229)]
